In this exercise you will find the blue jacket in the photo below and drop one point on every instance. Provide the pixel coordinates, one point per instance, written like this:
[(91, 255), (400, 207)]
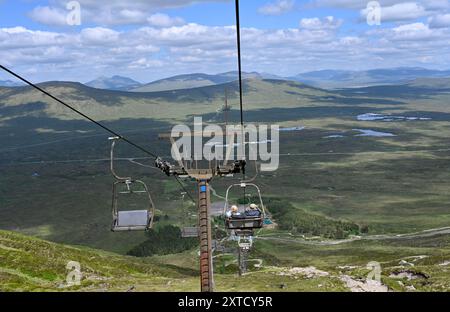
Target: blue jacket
[(252, 213)]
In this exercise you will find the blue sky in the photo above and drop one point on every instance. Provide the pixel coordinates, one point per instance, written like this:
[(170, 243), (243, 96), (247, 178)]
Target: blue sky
[(16, 12), (152, 39)]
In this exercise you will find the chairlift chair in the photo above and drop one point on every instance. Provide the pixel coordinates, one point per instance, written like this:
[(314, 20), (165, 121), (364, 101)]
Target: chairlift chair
[(244, 225), (134, 195), (245, 242)]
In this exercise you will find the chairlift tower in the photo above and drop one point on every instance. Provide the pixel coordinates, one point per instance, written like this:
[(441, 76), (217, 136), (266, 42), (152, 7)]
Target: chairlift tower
[(203, 177), (244, 245)]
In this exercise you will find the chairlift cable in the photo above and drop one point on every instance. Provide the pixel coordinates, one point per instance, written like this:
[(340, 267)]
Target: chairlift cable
[(238, 31), (184, 189), (238, 39)]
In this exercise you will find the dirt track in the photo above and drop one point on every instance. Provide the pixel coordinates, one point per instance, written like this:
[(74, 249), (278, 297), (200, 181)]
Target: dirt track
[(425, 233)]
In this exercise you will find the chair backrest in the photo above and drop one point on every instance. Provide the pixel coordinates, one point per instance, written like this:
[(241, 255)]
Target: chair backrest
[(132, 218), (244, 223), (241, 185)]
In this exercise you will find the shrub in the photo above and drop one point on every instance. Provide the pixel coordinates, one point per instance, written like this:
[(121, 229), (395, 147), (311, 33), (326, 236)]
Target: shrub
[(165, 240), (300, 221)]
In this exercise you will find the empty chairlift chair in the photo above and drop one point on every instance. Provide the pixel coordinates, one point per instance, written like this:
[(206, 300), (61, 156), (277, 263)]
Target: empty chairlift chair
[(132, 205)]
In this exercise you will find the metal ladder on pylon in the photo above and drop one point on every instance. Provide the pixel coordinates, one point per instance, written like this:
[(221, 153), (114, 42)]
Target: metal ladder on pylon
[(206, 267)]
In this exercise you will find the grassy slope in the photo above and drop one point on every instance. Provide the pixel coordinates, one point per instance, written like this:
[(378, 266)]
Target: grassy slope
[(33, 264), (30, 264)]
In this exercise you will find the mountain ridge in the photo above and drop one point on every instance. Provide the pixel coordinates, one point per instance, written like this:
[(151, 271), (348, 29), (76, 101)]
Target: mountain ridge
[(195, 80), (324, 79), (10, 83), (335, 79), (115, 82)]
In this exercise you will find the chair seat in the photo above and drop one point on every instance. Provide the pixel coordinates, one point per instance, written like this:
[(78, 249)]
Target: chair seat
[(132, 218), (244, 223)]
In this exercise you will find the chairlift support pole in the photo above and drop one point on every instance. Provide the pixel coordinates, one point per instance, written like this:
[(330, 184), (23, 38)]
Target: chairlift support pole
[(225, 112), (203, 178), (242, 260), (206, 265)]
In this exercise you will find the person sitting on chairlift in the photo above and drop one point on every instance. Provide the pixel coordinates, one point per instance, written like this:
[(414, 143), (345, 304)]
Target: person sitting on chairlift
[(253, 211), (234, 212)]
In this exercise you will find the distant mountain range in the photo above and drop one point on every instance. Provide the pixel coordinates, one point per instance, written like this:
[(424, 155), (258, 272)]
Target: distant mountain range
[(332, 79), (197, 80), (10, 83), (118, 83), (325, 79)]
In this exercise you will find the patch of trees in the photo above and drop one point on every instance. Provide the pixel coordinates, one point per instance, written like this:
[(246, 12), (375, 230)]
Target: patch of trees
[(299, 221), (163, 241)]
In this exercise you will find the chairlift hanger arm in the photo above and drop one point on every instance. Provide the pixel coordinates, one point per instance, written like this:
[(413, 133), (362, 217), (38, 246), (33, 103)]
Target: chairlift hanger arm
[(238, 38), (113, 144)]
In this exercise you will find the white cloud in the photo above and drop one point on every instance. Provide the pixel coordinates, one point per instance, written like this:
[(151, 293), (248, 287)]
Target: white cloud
[(99, 35), (349, 4), (439, 21), (436, 4), (360, 4), (144, 48), (277, 8), (414, 36), (145, 63), (49, 16), (147, 5), (415, 31), (316, 23), (411, 27), (111, 12), (20, 37), (400, 12), (164, 20), (126, 16), (150, 52)]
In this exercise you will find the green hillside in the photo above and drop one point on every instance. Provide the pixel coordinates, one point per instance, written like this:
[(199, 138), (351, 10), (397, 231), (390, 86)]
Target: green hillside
[(189, 81), (434, 83), (31, 264), (165, 105)]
